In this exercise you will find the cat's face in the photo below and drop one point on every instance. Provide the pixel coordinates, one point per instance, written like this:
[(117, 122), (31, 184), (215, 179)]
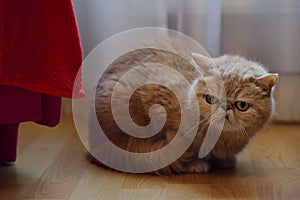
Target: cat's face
[(237, 96), (244, 106)]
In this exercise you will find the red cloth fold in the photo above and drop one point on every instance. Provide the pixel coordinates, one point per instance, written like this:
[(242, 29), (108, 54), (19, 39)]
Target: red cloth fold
[(20, 105), (39, 46)]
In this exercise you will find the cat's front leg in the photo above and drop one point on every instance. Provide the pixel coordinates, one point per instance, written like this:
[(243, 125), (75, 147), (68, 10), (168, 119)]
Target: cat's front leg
[(198, 166), (221, 163)]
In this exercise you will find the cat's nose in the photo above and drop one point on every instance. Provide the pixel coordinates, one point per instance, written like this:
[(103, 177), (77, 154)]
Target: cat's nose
[(226, 106)]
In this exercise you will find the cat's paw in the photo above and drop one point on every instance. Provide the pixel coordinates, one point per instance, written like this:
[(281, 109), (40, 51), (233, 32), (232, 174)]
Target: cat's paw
[(227, 163), (198, 166)]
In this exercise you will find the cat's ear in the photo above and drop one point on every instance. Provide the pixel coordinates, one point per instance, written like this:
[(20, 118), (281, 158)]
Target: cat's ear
[(267, 81), (203, 62)]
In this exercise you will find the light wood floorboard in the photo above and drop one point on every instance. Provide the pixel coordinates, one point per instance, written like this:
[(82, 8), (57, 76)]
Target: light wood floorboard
[(52, 164)]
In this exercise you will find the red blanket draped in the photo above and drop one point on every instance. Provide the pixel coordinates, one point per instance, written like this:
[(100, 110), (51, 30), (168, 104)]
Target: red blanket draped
[(39, 46)]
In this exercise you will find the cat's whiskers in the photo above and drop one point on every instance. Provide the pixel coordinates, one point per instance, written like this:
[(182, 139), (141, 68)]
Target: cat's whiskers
[(242, 129)]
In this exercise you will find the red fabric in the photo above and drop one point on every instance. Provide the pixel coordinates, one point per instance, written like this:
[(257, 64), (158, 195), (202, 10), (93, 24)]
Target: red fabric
[(20, 105), (39, 46), (40, 56)]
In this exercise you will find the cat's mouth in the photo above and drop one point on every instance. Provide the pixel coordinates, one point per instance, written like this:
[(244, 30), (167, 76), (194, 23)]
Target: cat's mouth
[(229, 122), (227, 117)]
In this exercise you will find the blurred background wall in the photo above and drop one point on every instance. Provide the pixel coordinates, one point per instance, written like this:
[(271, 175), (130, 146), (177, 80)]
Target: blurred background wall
[(266, 31)]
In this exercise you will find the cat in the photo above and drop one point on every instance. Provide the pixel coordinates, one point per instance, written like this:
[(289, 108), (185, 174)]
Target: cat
[(248, 107)]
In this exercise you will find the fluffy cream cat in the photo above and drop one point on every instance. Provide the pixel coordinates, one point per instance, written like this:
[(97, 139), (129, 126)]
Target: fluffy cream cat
[(246, 107)]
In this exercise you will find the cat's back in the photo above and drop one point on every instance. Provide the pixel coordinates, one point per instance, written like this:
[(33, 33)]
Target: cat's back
[(142, 66)]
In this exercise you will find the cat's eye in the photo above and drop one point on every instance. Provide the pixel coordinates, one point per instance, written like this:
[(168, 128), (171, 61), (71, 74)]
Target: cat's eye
[(211, 99), (242, 105)]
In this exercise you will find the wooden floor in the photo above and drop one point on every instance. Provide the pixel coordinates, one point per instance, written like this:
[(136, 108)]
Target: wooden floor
[(52, 165)]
